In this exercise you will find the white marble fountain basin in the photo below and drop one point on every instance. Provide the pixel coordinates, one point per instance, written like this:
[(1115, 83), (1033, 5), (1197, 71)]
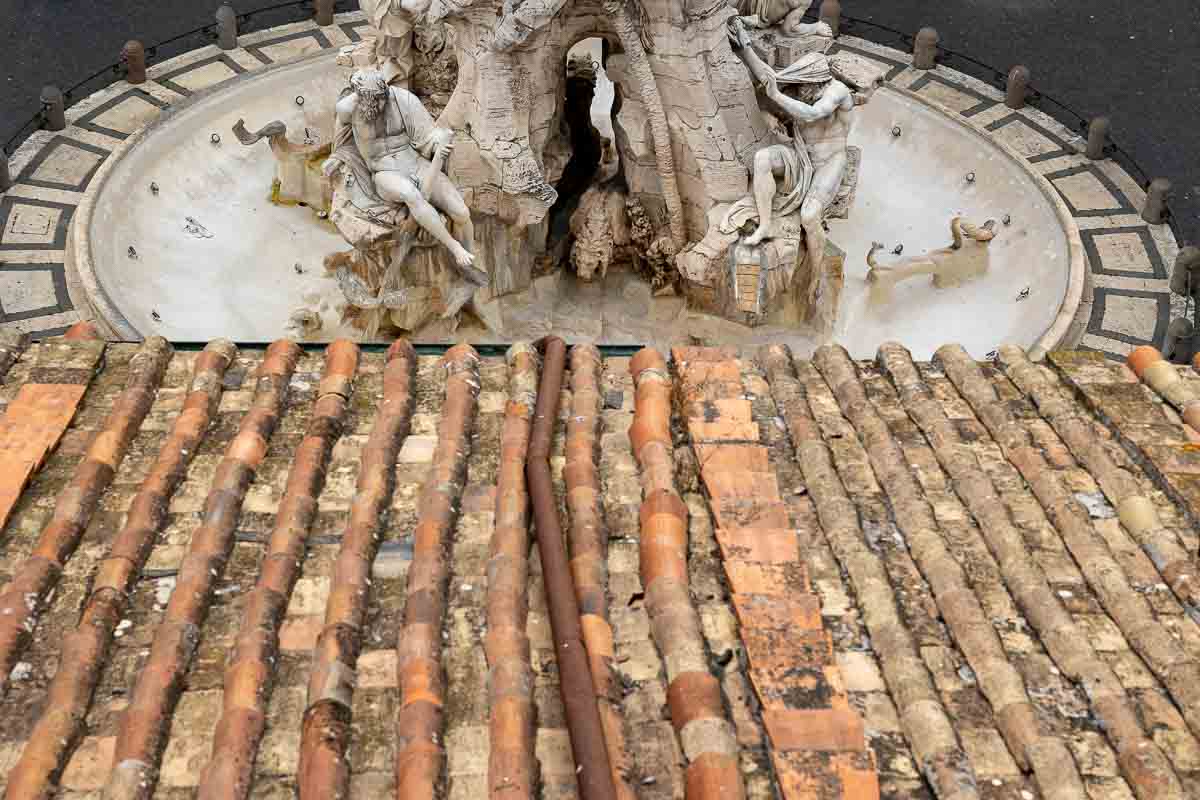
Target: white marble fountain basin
[(215, 258), (909, 187)]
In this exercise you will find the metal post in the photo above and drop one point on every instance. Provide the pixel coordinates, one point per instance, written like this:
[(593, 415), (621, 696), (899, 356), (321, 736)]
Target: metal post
[(324, 13), (925, 49), (5, 176), (1177, 347), (227, 27), (831, 15), (1018, 87), (1155, 210), (1097, 138), (55, 108), (1185, 278), (133, 56)]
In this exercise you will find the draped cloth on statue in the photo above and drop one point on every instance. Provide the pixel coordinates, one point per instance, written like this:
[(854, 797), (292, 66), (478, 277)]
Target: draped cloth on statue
[(790, 189), (394, 44)]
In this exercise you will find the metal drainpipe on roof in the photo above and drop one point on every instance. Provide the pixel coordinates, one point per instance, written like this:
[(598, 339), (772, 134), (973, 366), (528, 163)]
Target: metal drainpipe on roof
[(593, 771)]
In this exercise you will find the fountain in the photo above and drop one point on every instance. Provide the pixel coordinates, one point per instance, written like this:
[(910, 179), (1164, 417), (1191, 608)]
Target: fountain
[(604, 187)]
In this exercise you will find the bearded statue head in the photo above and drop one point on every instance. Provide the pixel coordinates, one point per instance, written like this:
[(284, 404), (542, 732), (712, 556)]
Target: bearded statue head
[(372, 89)]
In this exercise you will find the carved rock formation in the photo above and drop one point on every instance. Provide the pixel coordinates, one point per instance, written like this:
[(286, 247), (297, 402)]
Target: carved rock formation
[(508, 107)]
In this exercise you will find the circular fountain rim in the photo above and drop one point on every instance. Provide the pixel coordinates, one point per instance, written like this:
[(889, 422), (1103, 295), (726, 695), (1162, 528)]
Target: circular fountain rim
[(81, 261), (1051, 146), (85, 265), (79, 244)]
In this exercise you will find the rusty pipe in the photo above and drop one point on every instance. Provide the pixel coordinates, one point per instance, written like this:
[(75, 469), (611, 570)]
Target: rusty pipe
[(593, 771)]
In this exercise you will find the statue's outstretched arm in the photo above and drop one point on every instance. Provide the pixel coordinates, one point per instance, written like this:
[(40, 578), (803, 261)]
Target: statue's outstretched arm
[(759, 69)]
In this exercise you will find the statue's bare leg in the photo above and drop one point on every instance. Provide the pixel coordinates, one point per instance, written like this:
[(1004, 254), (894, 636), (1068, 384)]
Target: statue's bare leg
[(768, 167), (395, 188), (446, 197), (827, 180)]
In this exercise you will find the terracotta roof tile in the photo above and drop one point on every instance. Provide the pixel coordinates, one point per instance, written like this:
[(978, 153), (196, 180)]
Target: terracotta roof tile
[(37, 417), (924, 582)]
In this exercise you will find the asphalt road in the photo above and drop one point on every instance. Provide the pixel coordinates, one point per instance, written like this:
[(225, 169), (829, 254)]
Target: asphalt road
[(1131, 61)]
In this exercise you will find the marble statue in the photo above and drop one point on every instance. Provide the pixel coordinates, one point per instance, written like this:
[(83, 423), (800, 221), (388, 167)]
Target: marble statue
[(965, 259), (394, 204), (806, 173), (393, 23), (396, 140), (787, 15)]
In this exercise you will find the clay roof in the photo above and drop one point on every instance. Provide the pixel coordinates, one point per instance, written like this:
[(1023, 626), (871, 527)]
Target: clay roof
[(255, 571)]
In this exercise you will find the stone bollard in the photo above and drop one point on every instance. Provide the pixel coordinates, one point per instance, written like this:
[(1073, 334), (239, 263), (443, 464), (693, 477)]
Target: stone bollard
[(831, 15), (133, 56), (925, 49), (227, 27), (1097, 138), (1018, 87), (1177, 347), (55, 108), (1155, 210), (5, 176), (1185, 278), (324, 13)]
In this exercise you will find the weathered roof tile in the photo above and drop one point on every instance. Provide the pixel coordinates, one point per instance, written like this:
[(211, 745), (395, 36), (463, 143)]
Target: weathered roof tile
[(923, 582)]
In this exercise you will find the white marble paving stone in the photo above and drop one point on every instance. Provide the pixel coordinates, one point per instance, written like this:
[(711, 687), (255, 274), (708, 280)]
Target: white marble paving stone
[(1086, 192), (1113, 221), (883, 66), (1024, 139), (28, 150), (1164, 240), (205, 76), (47, 322), (67, 164), (987, 117), (947, 97), (292, 49), (30, 225), (1132, 316), (32, 257), (64, 196), (128, 116), (1104, 343), (245, 60), (1123, 283), (1124, 252), (156, 71), (26, 290)]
